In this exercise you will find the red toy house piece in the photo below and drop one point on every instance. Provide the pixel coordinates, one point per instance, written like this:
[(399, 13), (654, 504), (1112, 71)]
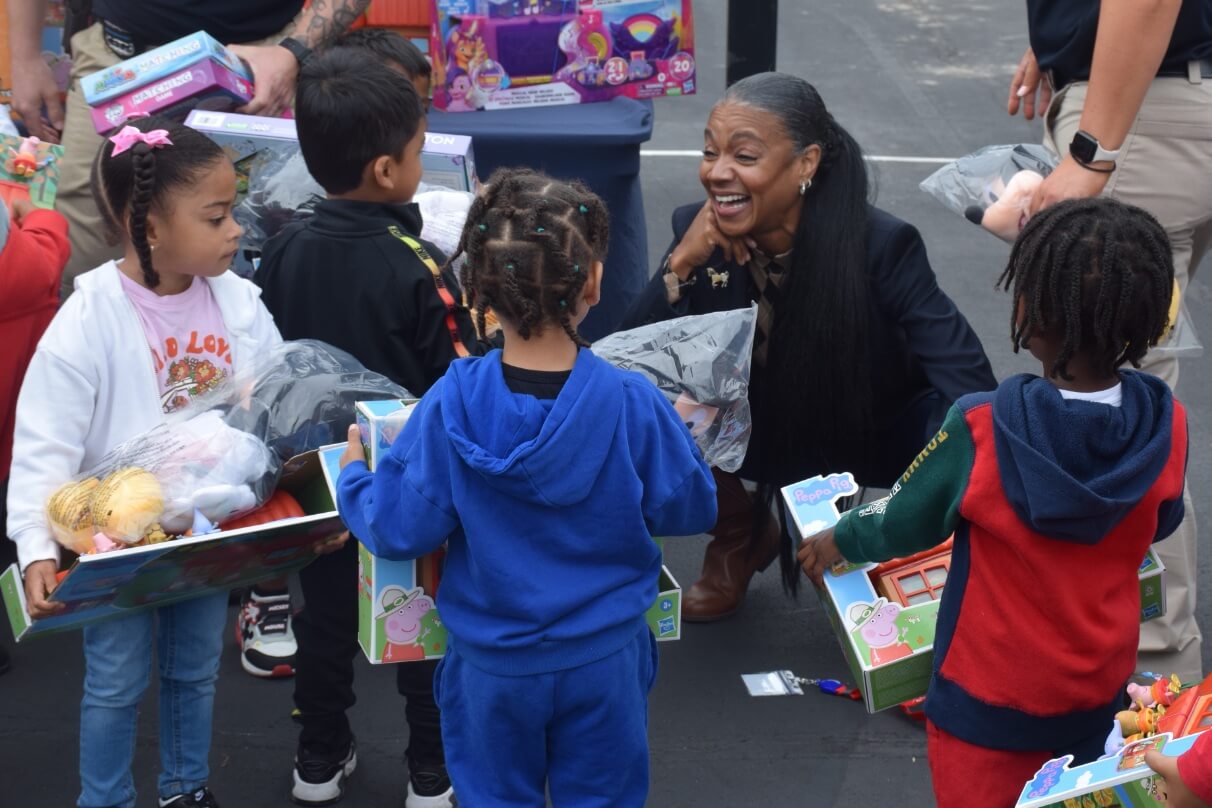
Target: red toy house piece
[(1190, 713), (920, 578)]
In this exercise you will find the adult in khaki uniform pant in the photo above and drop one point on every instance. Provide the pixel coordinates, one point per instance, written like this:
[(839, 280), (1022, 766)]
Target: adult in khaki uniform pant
[(1137, 76), (150, 23)]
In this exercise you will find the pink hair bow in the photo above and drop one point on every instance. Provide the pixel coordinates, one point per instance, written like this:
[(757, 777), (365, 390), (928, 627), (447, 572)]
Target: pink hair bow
[(129, 136)]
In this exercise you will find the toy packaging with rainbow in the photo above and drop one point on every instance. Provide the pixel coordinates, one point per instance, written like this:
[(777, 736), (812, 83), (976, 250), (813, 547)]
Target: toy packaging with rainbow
[(499, 54)]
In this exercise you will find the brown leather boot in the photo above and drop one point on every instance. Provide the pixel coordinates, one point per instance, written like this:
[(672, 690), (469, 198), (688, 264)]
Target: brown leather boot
[(733, 556)]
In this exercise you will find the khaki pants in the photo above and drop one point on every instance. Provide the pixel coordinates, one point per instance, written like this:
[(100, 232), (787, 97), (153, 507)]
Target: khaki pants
[(1165, 167), (90, 247)]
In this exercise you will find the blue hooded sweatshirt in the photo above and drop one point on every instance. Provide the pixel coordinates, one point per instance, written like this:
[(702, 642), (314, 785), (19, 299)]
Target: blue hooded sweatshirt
[(550, 508)]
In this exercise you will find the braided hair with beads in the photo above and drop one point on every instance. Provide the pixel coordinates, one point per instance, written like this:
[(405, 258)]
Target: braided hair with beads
[(1098, 276), (530, 242), (139, 179)]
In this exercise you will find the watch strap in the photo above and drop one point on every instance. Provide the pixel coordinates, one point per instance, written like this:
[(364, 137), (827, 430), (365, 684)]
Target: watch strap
[(297, 49)]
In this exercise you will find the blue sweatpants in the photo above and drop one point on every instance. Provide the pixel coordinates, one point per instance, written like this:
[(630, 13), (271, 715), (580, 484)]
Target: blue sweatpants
[(582, 733)]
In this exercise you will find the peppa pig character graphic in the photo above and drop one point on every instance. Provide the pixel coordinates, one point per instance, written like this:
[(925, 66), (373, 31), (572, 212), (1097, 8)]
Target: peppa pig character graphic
[(401, 613), (877, 624)]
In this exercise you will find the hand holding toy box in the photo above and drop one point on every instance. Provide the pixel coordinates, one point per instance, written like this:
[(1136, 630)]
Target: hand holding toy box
[(498, 54), (194, 72), (398, 620), (885, 614)]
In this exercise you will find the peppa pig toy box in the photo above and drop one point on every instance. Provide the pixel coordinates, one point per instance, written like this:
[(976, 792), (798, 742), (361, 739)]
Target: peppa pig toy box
[(194, 72), (1121, 779), (887, 632), (498, 54), (398, 619)]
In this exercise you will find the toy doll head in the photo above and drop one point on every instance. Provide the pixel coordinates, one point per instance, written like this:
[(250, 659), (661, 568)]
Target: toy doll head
[(1006, 212), (534, 248), (1090, 278)]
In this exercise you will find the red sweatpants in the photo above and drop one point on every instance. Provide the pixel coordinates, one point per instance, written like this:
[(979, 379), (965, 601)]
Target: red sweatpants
[(965, 775)]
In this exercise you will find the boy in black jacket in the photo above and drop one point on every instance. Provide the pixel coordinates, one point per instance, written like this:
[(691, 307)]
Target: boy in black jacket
[(356, 275)]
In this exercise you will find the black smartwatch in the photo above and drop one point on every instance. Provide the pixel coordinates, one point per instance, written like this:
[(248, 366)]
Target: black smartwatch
[(297, 49), (1086, 149)]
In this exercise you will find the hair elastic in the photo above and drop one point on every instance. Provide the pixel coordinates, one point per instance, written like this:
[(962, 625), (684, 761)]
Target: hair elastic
[(483, 228), (583, 208)]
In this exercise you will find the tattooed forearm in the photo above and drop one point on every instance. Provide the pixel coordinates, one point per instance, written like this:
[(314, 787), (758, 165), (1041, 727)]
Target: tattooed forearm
[(320, 24)]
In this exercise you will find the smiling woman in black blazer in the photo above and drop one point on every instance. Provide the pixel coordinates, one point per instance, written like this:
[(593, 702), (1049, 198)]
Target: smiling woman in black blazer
[(858, 353)]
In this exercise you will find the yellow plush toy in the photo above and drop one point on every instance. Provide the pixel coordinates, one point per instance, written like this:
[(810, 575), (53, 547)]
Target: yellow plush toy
[(69, 513), (100, 515)]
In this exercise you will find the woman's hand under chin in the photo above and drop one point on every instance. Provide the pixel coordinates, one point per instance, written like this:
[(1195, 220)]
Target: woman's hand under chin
[(701, 240)]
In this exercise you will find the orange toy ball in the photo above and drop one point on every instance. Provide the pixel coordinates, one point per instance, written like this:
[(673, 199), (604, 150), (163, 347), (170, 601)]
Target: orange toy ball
[(280, 506)]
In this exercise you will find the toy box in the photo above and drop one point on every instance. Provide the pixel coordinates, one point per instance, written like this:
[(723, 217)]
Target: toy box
[(398, 619), (889, 642), (147, 68), (29, 170), (206, 85), (1120, 780), (496, 54), (446, 160), (107, 585)]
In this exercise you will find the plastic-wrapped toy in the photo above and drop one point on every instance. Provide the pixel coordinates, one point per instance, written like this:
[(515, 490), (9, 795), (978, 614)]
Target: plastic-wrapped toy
[(300, 395), (701, 363), (992, 186), (122, 508), (1006, 213)]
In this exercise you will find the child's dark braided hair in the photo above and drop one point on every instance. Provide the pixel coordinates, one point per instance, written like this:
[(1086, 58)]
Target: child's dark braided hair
[(128, 187), (530, 241), (1096, 273)]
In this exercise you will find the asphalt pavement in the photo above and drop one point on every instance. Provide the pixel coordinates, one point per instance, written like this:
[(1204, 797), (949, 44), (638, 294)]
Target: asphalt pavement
[(910, 79)]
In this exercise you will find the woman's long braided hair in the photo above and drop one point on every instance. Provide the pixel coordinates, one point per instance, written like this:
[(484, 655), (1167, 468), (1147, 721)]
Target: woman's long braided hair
[(530, 242), (128, 187), (1096, 273)]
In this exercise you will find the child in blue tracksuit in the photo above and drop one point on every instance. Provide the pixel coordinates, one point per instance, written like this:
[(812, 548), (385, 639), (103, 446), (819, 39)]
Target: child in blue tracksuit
[(550, 472)]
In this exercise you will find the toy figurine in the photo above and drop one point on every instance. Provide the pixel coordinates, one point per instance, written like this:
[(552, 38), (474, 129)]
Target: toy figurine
[(1137, 724), (1006, 213), (466, 49), (1162, 692), (24, 162)]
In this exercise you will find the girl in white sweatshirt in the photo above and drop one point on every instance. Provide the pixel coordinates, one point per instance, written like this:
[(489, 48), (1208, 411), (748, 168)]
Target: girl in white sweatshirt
[(138, 339)]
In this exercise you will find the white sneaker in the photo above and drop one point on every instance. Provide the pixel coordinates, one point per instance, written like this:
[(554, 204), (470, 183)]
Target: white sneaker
[(429, 787), (265, 637), (320, 774)]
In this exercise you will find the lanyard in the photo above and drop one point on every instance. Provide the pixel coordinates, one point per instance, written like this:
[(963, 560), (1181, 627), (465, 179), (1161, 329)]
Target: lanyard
[(444, 293)]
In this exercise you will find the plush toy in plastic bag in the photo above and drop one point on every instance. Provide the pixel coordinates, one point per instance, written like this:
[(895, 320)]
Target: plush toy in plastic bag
[(300, 395), (992, 187), (701, 363), (185, 475)]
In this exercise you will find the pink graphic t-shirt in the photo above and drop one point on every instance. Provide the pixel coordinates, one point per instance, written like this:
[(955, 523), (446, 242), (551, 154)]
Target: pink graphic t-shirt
[(190, 350)]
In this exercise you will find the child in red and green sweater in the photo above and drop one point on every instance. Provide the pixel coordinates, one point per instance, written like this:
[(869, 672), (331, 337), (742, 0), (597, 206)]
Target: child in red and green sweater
[(1054, 488)]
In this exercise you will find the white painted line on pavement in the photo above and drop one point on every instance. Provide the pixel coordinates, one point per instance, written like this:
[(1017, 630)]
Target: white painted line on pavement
[(874, 158)]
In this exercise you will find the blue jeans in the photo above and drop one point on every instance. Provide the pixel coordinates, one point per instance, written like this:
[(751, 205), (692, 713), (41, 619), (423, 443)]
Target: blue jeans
[(117, 666), (580, 734)]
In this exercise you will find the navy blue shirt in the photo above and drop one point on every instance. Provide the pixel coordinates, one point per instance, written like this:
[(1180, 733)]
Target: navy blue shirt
[(155, 22), (1062, 36)]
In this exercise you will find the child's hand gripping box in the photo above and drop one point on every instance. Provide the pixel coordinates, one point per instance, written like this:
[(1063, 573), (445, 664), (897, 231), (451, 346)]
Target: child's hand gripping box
[(500, 54), (1122, 779), (397, 617), (885, 614), (263, 544), (193, 72)]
